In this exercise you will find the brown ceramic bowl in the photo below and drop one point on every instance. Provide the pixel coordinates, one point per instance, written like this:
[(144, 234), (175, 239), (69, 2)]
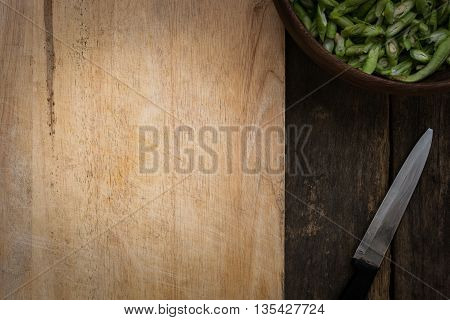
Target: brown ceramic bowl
[(437, 83)]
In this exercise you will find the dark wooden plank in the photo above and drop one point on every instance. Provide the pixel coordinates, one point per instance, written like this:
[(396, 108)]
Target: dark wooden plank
[(421, 244), (348, 154)]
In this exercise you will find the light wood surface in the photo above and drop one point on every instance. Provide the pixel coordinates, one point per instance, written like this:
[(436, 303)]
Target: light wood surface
[(78, 218)]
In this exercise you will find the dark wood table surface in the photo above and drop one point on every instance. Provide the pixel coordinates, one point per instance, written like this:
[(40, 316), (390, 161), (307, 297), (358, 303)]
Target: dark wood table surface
[(357, 143)]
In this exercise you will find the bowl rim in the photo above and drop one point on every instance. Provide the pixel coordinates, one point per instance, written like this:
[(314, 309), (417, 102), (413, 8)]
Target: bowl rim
[(341, 69)]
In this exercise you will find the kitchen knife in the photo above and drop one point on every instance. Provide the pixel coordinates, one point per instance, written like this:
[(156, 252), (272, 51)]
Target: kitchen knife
[(370, 253)]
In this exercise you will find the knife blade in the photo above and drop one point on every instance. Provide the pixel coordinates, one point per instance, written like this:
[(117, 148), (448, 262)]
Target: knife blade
[(371, 250)]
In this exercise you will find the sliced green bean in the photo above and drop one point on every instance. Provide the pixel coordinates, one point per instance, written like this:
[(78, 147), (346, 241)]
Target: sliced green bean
[(392, 51), (383, 67), (389, 12), (343, 22), (419, 55), (402, 69), (339, 49), (372, 31), (331, 30), (358, 49), (354, 30), (302, 15), (370, 63), (424, 30), (381, 4), (321, 20), (403, 8), (401, 24), (328, 44)]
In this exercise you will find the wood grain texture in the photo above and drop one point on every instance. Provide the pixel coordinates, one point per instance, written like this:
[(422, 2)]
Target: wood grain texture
[(16, 168), (348, 153), (79, 221), (421, 244), (358, 142)]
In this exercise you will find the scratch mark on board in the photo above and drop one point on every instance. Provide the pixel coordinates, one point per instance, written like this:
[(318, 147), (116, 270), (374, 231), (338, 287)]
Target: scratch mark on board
[(50, 55)]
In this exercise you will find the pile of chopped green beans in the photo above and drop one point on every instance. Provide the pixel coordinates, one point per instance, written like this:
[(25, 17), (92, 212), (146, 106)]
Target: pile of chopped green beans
[(404, 40)]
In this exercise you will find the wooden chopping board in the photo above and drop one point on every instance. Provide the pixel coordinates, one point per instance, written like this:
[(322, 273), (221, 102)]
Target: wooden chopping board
[(79, 219)]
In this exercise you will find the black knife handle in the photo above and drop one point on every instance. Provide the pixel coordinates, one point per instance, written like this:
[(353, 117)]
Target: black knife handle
[(359, 285)]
